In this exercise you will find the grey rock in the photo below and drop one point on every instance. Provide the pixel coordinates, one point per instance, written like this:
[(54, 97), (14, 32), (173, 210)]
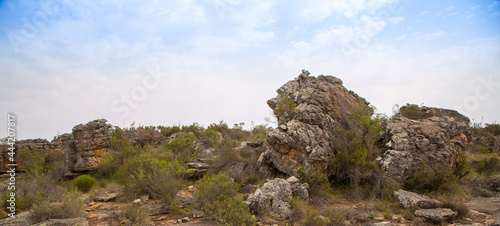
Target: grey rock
[(65, 222), (304, 133), (105, 197), (409, 199), (438, 214), (155, 209), (18, 221), (272, 198), (298, 189), (437, 140)]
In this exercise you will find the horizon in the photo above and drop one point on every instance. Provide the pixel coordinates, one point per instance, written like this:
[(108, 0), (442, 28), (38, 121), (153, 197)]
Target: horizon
[(64, 63)]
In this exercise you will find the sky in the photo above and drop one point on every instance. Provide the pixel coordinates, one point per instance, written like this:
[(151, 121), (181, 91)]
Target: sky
[(63, 63)]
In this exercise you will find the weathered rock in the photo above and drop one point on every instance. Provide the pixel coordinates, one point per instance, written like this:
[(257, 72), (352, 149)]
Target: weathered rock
[(272, 198), (64, 222), (29, 145), (437, 139), (438, 214), (298, 189), (308, 109), (87, 145), (409, 199), (105, 197), (18, 221), (157, 209)]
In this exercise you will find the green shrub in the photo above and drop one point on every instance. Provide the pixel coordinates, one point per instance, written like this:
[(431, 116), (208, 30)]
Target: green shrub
[(286, 107), (50, 162), (182, 147), (259, 132), (488, 166), (84, 183), (72, 206), (152, 174), (216, 195), (412, 111), (134, 215), (168, 131), (32, 191), (432, 179), (194, 128)]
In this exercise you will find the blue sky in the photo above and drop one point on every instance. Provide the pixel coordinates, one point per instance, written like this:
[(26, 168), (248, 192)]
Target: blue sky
[(64, 62)]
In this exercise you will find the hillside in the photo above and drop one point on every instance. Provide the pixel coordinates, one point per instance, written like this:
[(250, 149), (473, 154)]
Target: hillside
[(331, 160)]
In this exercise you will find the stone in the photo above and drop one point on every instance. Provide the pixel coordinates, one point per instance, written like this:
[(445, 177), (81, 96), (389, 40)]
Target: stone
[(409, 199), (137, 202), (18, 221), (272, 198), (308, 109), (437, 139), (298, 189), (87, 144), (105, 197), (185, 219), (29, 145), (156, 209), (438, 214), (64, 222)]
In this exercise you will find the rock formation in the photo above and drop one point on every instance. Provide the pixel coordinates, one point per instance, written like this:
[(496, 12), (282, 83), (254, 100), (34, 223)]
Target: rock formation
[(21, 146), (307, 109), (436, 139), (273, 197), (87, 144)]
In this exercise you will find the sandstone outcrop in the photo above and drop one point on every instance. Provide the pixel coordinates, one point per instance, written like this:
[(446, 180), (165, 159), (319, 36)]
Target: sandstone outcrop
[(307, 109), (87, 145), (29, 145), (437, 139)]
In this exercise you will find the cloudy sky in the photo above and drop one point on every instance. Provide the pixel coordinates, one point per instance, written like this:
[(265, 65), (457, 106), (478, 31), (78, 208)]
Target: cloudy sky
[(64, 62)]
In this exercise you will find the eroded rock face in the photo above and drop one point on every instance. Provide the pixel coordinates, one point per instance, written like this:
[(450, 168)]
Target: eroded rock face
[(29, 145), (87, 145), (437, 140), (307, 109)]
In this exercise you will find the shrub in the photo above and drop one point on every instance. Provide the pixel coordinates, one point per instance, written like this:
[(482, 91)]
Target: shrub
[(84, 183), (134, 215), (51, 162), (259, 132), (215, 195), (182, 147), (168, 131), (412, 111), (72, 206), (488, 166), (458, 207), (152, 174), (286, 107), (194, 128), (432, 179), (32, 191)]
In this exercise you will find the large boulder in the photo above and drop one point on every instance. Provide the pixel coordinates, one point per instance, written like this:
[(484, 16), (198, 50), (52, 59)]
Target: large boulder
[(409, 200), (272, 198), (308, 109), (87, 144), (437, 138)]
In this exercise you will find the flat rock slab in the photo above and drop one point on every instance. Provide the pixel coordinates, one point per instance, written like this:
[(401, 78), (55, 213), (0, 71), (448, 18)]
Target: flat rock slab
[(485, 205), (438, 214), (408, 199), (105, 197), (65, 222)]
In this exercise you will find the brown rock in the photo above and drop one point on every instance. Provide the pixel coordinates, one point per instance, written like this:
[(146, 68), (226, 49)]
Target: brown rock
[(87, 144), (307, 109)]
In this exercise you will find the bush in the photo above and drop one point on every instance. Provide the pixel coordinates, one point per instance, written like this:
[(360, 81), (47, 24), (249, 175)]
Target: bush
[(182, 147), (488, 166), (72, 206), (286, 107), (84, 183), (33, 191), (134, 215), (152, 174), (51, 162), (432, 179), (215, 195), (168, 131), (412, 111)]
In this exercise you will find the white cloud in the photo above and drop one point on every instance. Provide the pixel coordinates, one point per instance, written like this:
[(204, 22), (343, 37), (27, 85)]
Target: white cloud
[(402, 37), (431, 36)]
